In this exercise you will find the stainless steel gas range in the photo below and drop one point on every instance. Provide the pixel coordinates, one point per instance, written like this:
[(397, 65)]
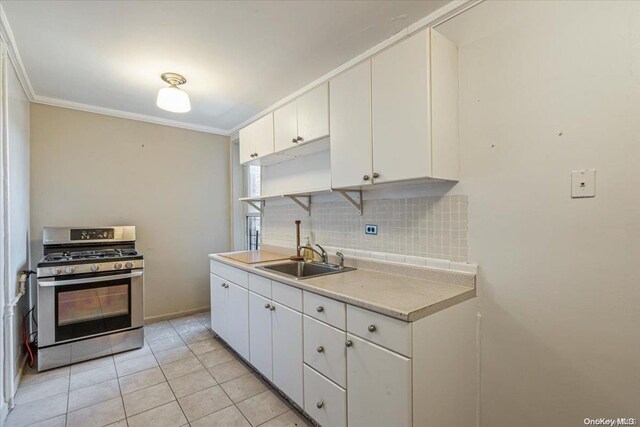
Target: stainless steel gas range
[(90, 294)]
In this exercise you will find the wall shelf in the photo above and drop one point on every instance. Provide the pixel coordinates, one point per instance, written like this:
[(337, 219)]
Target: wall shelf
[(303, 198)]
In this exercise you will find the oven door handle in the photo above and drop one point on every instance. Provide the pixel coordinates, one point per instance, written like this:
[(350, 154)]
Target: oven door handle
[(52, 282)]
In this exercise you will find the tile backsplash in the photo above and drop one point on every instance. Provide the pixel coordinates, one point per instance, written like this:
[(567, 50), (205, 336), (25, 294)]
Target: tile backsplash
[(432, 227)]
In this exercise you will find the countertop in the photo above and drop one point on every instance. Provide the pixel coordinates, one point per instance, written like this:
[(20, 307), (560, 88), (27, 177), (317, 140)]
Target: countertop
[(404, 292)]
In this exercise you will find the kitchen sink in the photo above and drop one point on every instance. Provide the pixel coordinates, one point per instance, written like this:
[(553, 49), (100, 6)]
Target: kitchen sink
[(304, 270)]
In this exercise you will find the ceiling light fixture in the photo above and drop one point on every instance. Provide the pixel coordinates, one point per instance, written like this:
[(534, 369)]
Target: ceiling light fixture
[(172, 98)]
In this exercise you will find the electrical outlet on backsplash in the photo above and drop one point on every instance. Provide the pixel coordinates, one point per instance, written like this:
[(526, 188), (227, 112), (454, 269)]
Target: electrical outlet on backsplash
[(429, 231)]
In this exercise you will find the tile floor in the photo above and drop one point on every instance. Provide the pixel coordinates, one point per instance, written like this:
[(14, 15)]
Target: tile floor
[(182, 376)]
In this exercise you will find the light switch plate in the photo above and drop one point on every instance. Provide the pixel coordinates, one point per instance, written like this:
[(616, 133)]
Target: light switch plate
[(583, 183)]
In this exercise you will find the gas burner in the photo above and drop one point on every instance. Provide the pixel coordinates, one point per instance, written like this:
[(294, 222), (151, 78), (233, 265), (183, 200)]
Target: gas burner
[(56, 257)]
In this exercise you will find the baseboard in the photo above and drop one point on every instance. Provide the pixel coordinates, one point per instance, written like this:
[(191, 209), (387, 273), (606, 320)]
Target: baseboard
[(183, 313)]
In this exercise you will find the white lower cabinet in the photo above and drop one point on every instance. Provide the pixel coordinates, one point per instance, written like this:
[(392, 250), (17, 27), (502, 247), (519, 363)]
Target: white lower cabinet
[(219, 306), (325, 351), (260, 339), (325, 401), (238, 319), (379, 385), (286, 325)]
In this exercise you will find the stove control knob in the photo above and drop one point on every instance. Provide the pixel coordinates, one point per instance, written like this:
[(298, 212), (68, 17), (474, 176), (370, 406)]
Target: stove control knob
[(128, 264), (55, 270), (117, 265), (94, 267), (69, 270)]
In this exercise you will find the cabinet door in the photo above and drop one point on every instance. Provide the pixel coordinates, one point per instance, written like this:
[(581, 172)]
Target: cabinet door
[(379, 391), (287, 351), (324, 350), (400, 110), (247, 144), (285, 126), (263, 135), (350, 111), (238, 319), (313, 114), (260, 341), (218, 306)]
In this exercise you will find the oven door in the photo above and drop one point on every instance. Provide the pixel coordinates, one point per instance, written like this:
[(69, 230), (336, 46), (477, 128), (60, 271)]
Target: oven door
[(72, 309)]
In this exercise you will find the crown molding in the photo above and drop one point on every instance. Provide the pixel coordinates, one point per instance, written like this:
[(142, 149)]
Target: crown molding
[(127, 115), (439, 16), (14, 56)]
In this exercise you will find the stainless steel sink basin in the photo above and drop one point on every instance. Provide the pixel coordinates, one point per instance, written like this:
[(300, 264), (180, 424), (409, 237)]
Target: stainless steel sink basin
[(304, 270)]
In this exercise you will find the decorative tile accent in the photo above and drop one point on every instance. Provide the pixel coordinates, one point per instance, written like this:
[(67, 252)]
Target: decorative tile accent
[(431, 227)]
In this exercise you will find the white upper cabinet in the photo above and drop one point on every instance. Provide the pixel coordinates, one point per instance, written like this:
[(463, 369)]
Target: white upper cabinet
[(350, 118), (414, 112), (256, 140), (303, 120)]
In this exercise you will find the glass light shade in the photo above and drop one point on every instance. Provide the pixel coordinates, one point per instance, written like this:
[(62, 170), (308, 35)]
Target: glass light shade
[(173, 99)]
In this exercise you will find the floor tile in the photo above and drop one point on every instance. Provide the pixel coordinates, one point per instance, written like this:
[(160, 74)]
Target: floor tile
[(40, 391), (191, 383), (87, 396), (92, 364), (91, 377), (148, 398), (194, 326), (172, 355), (244, 387), (227, 371), (203, 403), (97, 415), (157, 325), (140, 380), (32, 376), (121, 423), (263, 407), (182, 367), (130, 366), (205, 346), (132, 354), (181, 321), (59, 421), (288, 419), (159, 334), (167, 415), (227, 417), (39, 410), (166, 344), (215, 357), (191, 337)]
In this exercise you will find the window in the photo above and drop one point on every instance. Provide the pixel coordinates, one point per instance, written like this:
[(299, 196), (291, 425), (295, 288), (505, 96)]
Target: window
[(253, 217)]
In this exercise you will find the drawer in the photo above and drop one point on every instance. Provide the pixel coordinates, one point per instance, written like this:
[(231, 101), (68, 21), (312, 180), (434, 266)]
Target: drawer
[(325, 350), (260, 285), (383, 330), (326, 309), (232, 274), (324, 401), (287, 295)]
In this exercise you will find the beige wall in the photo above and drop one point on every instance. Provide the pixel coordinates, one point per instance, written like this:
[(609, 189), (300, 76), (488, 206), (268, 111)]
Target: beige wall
[(546, 88), (172, 184)]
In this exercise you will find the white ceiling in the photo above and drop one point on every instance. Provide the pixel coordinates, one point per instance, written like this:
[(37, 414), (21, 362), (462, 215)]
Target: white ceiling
[(239, 57)]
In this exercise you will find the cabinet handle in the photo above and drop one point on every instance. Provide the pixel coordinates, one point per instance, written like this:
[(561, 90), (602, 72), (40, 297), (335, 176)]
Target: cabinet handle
[(365, 178), (320, 349), (267, 306), (294, 140), (348, 343), (222, 284), (255, 154), (376, 175), (299, 139), (372, 328), (320, 404), (319, 309), (272, 307)]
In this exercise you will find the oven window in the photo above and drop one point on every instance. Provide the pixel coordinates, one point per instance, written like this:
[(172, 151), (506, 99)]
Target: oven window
[(86, 310)]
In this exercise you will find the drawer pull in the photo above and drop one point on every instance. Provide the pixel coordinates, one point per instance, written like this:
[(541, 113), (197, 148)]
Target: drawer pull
[(319, 309), (272, 307), (320, 349), (320, 404), (267, 306), (372, 328), (348, 343)]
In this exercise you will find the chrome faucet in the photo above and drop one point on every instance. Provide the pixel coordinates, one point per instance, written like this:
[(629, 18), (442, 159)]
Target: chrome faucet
[(341, 257), (325, 257), (322, 254)]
